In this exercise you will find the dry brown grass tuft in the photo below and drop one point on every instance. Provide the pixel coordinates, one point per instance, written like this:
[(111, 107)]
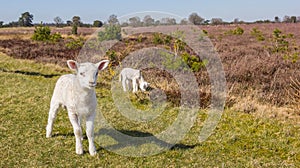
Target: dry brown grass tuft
[(294, 94)]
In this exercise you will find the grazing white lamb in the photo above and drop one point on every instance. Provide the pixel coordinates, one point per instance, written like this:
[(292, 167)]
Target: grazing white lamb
[(134, 76), (76, 93)]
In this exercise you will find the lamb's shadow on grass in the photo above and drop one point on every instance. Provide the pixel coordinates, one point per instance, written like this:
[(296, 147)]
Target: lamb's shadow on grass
[(70, 134), (134, 139), (30, 73)]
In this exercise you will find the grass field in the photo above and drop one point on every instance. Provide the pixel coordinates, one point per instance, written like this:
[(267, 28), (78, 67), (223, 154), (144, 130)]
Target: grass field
[(240, 140)]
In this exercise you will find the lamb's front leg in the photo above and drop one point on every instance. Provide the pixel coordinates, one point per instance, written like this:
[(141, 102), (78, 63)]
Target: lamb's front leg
[(77, 131), (90, 133), (134, 85)]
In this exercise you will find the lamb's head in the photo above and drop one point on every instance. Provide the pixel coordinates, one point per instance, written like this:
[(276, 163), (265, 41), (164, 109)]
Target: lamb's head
[(87, 73), (143, 85)]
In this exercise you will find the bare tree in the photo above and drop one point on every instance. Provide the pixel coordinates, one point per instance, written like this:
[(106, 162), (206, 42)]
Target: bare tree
[(58, 21)]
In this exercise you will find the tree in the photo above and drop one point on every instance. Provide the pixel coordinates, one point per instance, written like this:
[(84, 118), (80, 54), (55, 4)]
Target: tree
[(69, 23), (196, 19), (58, 21), (76, 23), (113, 19), (111, 32), (168, 21), (276, 19), (97, 23), (1, 23), (157, 22), (26, 19), (216, 21), (206, 22), (184, 22), (76, 20), (293, 19), (125, 24), (148, 20), (135, 21), (286, 19), (236, 21)]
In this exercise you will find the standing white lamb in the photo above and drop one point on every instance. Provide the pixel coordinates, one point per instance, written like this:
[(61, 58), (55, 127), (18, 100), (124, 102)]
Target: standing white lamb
[(134, 76), (76, 93)]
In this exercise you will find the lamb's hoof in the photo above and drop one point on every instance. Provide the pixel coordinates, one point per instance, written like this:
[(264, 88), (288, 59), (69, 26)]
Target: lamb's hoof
[(79, 151), (48, 135), (93, 153)]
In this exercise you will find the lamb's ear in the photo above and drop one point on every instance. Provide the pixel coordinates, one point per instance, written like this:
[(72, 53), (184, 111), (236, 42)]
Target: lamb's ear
[(73, 65), (102, 64)]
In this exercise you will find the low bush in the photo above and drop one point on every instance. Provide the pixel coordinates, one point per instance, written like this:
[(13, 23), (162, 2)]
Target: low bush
[(43, 33), (111, 32)]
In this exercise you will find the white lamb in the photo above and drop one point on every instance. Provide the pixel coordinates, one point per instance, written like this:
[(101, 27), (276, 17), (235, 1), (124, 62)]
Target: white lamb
[(76, 93), (134, 76)]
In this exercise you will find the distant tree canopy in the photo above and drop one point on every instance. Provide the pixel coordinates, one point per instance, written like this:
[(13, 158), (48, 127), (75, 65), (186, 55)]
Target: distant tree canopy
[(148, 20), (97, 23), (135, 21), (276, 19), (26, 19), (216, 21), (76, 20), (196, 19), (113, 19), (168, 21)]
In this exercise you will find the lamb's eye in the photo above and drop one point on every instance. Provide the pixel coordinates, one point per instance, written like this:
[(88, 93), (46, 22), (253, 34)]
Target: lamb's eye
[(82, 73)]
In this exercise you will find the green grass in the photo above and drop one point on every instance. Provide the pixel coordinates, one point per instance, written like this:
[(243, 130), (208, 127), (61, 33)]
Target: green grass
[(240, 140)]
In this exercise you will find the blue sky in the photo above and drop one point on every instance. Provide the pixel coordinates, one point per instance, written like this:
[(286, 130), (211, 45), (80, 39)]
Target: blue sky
[(90, 10)]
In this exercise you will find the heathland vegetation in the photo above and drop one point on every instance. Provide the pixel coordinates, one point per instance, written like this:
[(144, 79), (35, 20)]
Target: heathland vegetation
[(260, 125)]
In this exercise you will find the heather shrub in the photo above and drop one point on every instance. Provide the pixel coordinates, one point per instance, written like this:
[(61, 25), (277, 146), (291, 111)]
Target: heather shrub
[(257, 34)]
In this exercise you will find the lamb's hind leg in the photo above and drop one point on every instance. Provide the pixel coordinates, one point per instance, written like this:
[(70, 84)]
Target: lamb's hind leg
[(77, 131), (52, 115), (90, 133), (124, 84)]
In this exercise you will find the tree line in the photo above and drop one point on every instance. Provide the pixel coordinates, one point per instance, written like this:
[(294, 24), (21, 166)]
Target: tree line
[(26, 20)]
